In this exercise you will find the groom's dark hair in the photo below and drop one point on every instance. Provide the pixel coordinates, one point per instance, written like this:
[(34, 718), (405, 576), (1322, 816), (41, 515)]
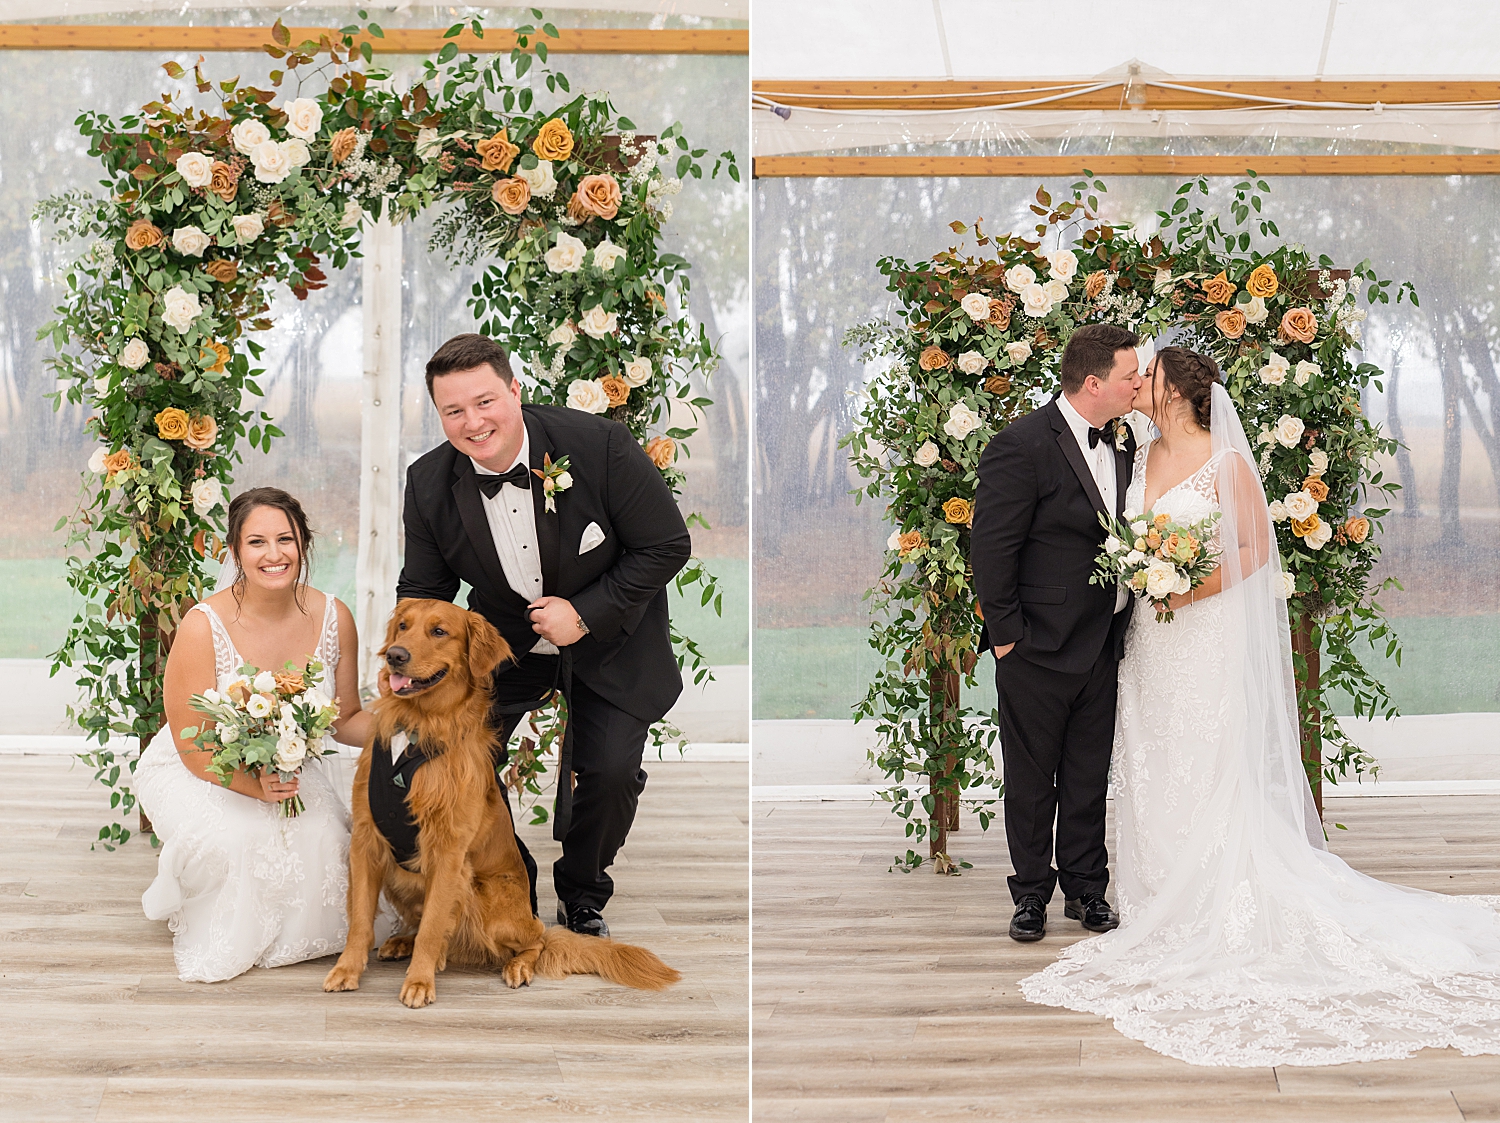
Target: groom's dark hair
[(465, 352), (1091, 350)]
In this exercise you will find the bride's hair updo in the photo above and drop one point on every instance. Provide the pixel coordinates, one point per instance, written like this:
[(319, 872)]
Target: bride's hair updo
[(1192, 375), (239, 510)]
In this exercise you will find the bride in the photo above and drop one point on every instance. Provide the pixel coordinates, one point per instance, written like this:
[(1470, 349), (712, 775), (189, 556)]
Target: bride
[(1243, 941), (239, 885)]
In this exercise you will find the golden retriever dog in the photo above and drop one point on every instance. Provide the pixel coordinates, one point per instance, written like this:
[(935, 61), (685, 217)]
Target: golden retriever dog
[(464, 897)]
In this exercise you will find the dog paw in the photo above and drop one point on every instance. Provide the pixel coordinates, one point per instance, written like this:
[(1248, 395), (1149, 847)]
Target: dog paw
[(516, 974), (397, 947), (417, 993), (342, 977)]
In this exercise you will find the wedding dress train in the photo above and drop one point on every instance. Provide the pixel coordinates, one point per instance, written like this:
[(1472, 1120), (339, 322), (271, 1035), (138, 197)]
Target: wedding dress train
[(1243, 941)]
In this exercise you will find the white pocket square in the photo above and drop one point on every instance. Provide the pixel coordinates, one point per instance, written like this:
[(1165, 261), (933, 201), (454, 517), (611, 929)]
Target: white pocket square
[(592, 536)]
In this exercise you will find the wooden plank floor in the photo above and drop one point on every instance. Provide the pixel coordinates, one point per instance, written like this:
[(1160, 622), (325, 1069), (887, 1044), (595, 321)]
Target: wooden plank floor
[(888, 997), (95, 1025)]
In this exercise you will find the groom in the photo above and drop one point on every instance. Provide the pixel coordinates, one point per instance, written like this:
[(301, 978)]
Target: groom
[(578, 590), (1043, 482)]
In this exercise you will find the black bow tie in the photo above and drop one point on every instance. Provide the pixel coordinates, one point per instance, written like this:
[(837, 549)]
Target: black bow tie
[(1104, 434), (519, 475)]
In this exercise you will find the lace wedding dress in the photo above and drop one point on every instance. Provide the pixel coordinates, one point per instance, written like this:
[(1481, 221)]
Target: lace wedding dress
[(1243, 941), (239, 885)]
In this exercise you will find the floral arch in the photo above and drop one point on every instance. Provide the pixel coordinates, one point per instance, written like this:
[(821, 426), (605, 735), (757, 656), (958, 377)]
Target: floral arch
[(975, 343), (209, 210)]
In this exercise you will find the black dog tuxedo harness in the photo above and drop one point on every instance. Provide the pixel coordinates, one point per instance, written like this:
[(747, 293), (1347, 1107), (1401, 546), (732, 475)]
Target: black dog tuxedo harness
[(390, 784)]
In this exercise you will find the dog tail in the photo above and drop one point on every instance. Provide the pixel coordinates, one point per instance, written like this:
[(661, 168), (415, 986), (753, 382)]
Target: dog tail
[(565, 952)]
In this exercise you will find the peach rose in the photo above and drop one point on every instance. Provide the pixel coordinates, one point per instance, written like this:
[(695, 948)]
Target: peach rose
[(1299, 325), (343, 143), (289, 683), (1303, 527), (497, 153), (1231, 322), (616, 389), (662, 451), (1218, 290), (958, 510), (933, 358), (553, 141), (1357, 529), (997, 384), (222, 270), (1000, 312), (596, 195), (1316, 488), (1262, 282), (172, 424), (224, 181), (142, 235), (911, 540), (201, 432), (512, 194), (118, 462), (1095, 283), (221, 357)]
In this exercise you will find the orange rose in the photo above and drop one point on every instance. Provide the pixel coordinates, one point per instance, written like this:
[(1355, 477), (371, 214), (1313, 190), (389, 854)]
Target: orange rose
[(933, 358), (224, 181), (1160, 521), (1303, 527), (513, 195), (1095, 283), (616, 389), (1000, 313), (1262, 282), (662, 451), (142, 235), (911, 540), (239, 691), (172, 424), (289, 683), (118, 461), (221, 357), (1316, 488), (201, 432), (997, 384), (1218, 290), (1153, 539), (497, 153), (958, 510), (1299, 325), (1231, 322), (343, 144), (553, 142), (596, 195), (1357, 529), (222, 270)]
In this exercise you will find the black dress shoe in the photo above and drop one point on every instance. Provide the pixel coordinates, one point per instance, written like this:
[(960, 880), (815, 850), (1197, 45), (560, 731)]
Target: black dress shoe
[(1093, 912), (582, 919), (1030, 921)]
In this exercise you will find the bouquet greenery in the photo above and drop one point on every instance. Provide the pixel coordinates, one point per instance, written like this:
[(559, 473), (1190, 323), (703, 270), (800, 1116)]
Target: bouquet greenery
[(1154, 557)]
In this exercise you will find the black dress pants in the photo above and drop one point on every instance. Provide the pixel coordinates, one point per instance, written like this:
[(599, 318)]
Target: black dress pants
[(1056, 734)]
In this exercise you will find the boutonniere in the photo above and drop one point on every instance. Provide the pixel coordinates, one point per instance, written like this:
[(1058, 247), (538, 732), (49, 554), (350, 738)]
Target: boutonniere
[(1122, 435), (554, 476)]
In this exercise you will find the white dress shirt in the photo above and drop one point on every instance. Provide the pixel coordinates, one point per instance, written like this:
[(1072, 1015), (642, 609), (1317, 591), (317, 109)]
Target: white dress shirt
[(1101, 462), (512, 519)]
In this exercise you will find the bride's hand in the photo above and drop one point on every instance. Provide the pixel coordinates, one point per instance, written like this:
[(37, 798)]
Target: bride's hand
[(274, 788)]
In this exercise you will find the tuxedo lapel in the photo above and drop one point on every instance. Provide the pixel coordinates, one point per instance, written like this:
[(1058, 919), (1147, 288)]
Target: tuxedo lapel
[(471, 511), (1124, 464), (1069, 445), (548, 528)]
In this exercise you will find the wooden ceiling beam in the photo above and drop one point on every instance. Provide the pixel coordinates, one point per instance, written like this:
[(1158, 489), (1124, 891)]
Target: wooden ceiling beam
[(1048, 167)]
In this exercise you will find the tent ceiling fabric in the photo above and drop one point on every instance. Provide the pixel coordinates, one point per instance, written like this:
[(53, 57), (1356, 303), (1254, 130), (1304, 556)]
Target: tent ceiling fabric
[(201, 11), (1011, 39)]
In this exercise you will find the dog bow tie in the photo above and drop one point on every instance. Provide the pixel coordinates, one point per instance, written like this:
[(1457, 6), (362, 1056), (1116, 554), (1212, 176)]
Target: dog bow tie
[(1104, 434), (519, 475)]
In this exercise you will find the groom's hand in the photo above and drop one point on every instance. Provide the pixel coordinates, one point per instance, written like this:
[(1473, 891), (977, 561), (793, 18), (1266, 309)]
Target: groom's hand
[(555, 620), (1002, 651)]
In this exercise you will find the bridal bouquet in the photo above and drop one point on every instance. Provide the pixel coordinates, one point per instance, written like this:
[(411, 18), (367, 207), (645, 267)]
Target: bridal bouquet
[(266, 719), (1154, 557)]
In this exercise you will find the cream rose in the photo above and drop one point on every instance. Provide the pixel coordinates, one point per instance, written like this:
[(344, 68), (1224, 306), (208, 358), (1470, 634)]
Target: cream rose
[(597, 323), (1299, 505), (894, 541), (567, 255), (1318, 537), (96, 461), (606, 253), (429, 144), (1018, 352), (1306, 370), (540, 179), (1286, 586), (1274, 372), (961, 421), (297, 152), (587, 395), (290, 753), (1036, 301), (304, 117), (1017, 277), (1277, 510), (196, 169), (207, 494), (249, 134), (1254, 310), (190, 240), (352, 215), (637, 372), (1161, 579), (1288, 430), (926, 456), (247, 228), (271, 161), (134, 354), (1056, 291), (180, 308), (972, 362), (976, 306), (564, 335), (1319, 460), (1064, 265), (1162, 280)]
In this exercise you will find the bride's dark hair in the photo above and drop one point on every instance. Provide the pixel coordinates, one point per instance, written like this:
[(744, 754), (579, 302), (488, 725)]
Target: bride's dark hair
[(1193, 376), (239, 510)]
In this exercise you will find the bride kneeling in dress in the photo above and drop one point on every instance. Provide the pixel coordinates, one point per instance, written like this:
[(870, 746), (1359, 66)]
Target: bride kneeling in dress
[(239, 885)]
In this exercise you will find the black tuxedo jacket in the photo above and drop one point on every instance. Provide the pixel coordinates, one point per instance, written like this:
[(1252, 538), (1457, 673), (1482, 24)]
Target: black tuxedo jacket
[(1035, 537), (618, 587)]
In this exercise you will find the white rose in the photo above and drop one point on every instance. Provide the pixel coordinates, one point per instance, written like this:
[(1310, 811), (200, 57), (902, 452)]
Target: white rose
[(265, 682), (1018, 352), (1274, 372), (1163, 280), (1139, 527), (1134, 558), (637, 372), (258, 706), (134, 354), (249, 134), (977, 305), (563, 335), (1319, 460), (564, 480), (539, 179), (430, 145), (227, 734), (207, 494), (213, 695), (297, 152), (1113, 545), (1277, 510), (96, 461), (567, 255), (1184, 584), (1161, 579), (1299, 505), (190, 240), (1056, 291), (352, 215), (587, 395), (597, 323), (1286, 586), (304, 117), (1017, 277), (1036, 301), (972, 362), (926, 456), (894, 541), (1305, 371), (247, 228), (606, 253), (271, 161), (290, 752), (195, 169), (1288, 430), (101, 386), (180, 308), (1064, 265), (961, 421), (1319, 538), (1254, 310)]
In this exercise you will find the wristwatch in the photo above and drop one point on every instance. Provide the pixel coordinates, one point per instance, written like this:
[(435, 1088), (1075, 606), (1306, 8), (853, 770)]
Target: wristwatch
[(582, 627)]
